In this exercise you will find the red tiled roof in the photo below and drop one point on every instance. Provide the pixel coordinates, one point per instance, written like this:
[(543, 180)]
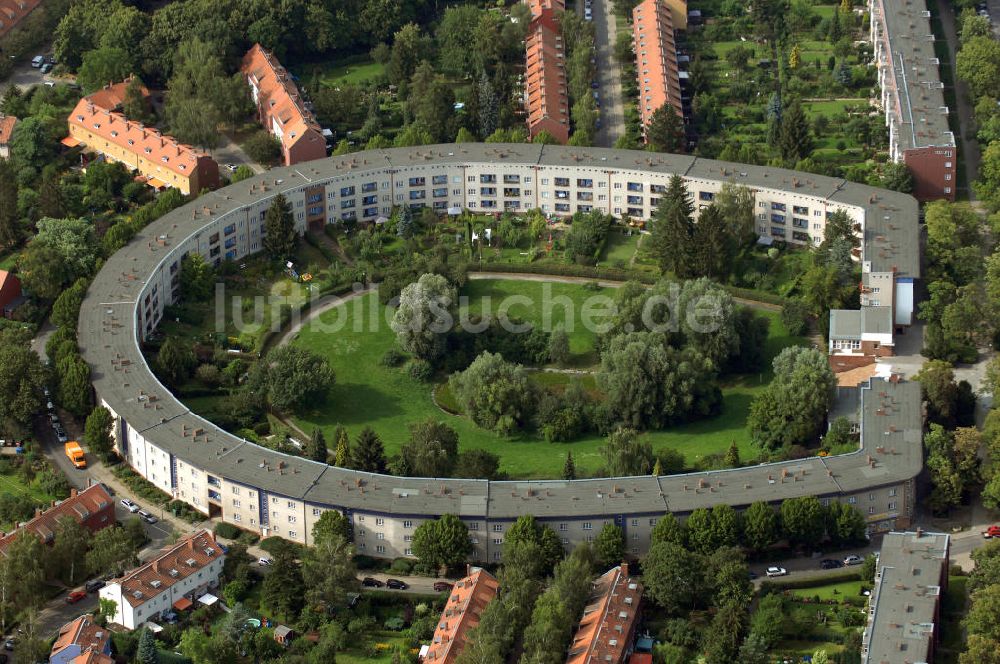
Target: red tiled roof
[(175, 563), (83, 632), (93, 657), (656, 58), (80, 505), (136, 138), (545, 78), (537, 6), (13, 11), (605, 631), (278, 98), (465, 605), (111, 96), (7, 123)]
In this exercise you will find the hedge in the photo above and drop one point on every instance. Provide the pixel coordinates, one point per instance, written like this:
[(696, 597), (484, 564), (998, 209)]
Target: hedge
[(813, 582)]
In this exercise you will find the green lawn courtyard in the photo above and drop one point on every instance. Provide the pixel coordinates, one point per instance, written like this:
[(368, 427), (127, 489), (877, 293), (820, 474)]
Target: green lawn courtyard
[(387, 399)]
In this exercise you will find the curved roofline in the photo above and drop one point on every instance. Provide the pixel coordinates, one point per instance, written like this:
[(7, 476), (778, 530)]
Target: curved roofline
[(113, 305)]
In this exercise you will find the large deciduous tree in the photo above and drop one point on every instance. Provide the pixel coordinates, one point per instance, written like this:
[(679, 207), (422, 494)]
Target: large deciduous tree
[(494, 393), (432, 449), (291, 378), (425, 315), (97, 432), (626, 453), (442, 542)]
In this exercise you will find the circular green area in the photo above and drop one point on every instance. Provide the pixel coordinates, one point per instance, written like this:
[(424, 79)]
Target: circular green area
[(355, 336)]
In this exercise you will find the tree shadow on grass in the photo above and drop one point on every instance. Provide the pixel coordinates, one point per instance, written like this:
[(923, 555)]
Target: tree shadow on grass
[(350, 404)]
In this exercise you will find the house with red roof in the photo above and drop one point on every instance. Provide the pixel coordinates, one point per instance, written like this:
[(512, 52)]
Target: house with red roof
[(281, 109), (546, 94), (82, 641), (606, 632), (468, 599), (92, 507), (7, 123), (13, 12), (10, 293)]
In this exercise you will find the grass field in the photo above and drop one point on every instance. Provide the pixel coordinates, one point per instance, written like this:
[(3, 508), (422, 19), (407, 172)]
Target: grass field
[(834, 591), (353, 73), (14, 485), (387, 399)]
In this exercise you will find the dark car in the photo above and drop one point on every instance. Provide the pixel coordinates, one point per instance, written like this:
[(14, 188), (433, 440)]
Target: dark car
[(9, 644), (441, 586), (94, 585), (830, 563), (369, 582), (396, 584)]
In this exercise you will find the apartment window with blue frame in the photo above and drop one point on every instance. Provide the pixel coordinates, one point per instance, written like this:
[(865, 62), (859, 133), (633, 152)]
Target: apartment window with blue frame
[(777, 232), (584, 208), (369, 187), (562, 182), (369, 200), (584, 195), (657, 188), (798, 222), (418, 194), (511, 178), (230, 229), (348, 215), (230, 255), (562, 194), (777, 218), (439, 179), (314, 198), (230, 242), (799, 209), (347, 204), (562, 207), (634, 200), (439, 192), (635, 212), (487, 179), (347, 191), (706, 196), (487, 191), (369, 212), (781, 207), (488, 204), (801, 237), (511, 191), (315, 210), (634, 186), (417, 182), (512, 205), (586, 183)]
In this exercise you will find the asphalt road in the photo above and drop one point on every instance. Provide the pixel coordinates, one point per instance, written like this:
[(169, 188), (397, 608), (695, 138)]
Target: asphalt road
[(609, 74), (25, 76)]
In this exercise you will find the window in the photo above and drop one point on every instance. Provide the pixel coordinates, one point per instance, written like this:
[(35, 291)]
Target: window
[(892, 492), (237, 517), (236, 490), (871, 510), (379, 549), (778, 206), (347, 191), (586, 183), (871, 496), (408, 552), (291, 519), (635, 523), (236, 503), (561, 182), (417, 182), (563, 526), (588, 526), (852, 500), (892, 506), (498, 541), (498, 527), (291, 504), (705, 196), (407, 524), (407, 538), (317, 511), (473, 526), (380, 536), (379, 522)]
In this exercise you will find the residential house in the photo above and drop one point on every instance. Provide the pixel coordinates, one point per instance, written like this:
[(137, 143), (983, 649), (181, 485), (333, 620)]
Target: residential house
[(7, 123), (607, 629), (92, 507), (10, 293), (178, 576), (546, 95), (81, 640), (655, 59), (281, 109), (469, 598), (13, 12)]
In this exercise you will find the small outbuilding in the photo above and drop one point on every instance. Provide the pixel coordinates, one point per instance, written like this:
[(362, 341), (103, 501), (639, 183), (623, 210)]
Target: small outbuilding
[(284, 635)]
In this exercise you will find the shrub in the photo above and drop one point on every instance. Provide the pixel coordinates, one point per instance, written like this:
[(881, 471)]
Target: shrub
[(226, 530), (419, 369), (402, 566), (393, 358)]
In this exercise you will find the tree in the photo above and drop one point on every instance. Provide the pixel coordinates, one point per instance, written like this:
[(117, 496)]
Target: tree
[(425, 315), (10, 231), (569, 468), (316, 447), (442, 542), (279, 227), (263, 148), (527, 531), (73, 390), (669, 529), (97, 432), (845, 524), (802, 520), (329, 525), (777, 418), (760, 526), (342, 457), (559, 346), (609, 546), (897, 176), (795, 57), (978, 64), (146, 652), (66, 308), (477, 464), (61, 252), (32, 142), (103, 65), (328, 570), (241, 173), (672, 229), (625, 453), (494, 393), (715, 247), (432, 449), (291, 378), (283, 589), (795, 140), (937, 384), (665, 132), (368, 453), (724, 635), (197, 278), (981, 619), (22, 379), (21, 577), (672, 576), (112, 550), (175, 361)]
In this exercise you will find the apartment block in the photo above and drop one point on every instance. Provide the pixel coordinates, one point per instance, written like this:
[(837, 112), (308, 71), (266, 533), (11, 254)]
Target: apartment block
[(546, 96), (7, 123), (655, 58), (173, 580), (92, 507), (160, 159), (469, 597), (904, 609), (606, 632), (13, 12), (82, 641), (912, 96), (280, 108)]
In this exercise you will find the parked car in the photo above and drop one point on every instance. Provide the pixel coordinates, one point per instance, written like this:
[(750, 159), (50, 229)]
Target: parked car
[(50, 406), (231, 168), (776, 571), (853, 560), (53, 419), (61, 435), (752, 575), (9, 644), (370, 582), (129, 505), (264, 562), (75, 596), (46, 68), (38, 61), (830, 563), (441, 586), (396, 584), (991, 532), (94, 585), (147, 517)]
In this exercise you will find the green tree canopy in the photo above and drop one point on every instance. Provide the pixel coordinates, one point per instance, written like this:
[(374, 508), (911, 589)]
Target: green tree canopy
[(442, 542)]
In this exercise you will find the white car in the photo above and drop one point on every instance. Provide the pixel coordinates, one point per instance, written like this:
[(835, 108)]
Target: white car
[(129, 505), (776, 571), (264, 562), (853, 560)]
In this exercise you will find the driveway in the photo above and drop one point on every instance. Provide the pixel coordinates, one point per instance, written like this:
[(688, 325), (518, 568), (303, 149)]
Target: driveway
[(229, 152), (609, 74)]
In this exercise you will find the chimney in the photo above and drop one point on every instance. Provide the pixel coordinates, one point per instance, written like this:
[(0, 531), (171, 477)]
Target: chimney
[(72, 492), (625, 570)]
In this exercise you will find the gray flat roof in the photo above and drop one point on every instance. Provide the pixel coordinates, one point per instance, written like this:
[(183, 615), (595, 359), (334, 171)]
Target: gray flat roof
[(107, 338), (905, 598), (845, 324), (876, 320)]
